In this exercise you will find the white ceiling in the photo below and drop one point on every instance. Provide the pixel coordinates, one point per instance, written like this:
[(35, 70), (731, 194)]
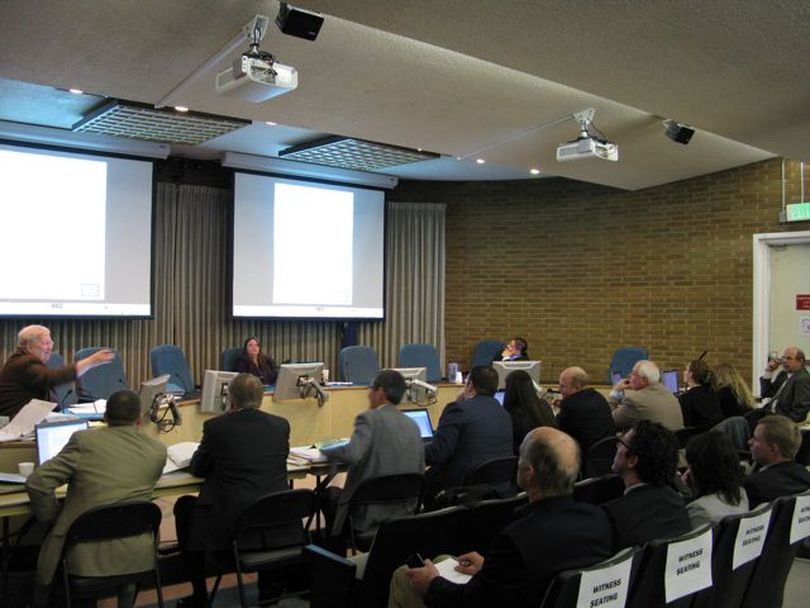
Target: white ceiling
[(458, 76)]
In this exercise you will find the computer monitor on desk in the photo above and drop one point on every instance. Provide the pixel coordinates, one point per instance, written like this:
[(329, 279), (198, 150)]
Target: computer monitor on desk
[(299, 381), (150, 392), (215, 390), (51, 437), (504, 368), (416, 392)]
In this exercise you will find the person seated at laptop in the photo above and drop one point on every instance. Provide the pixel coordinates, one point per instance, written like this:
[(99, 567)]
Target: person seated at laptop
[(517, 349), (641, 396), (472, 430), (699, 403), (384, 442), (101, 466), (527, 409), (253, 361), (26, 375)]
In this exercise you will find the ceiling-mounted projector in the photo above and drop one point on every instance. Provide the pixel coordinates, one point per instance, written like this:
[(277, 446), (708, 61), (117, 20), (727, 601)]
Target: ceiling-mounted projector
[(587, 147), (256, 78)]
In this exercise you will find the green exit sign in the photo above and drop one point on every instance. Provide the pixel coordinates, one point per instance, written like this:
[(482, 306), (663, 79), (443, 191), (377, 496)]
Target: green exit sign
[(798, 212)]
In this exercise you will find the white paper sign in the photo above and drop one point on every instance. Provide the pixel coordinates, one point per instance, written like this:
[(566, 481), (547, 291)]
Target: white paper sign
[(800, 526), (804, 326), (605, 588), (689, 566), (750, 539)]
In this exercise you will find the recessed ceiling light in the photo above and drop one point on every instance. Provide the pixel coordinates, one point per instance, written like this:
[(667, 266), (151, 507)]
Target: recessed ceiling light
[(419, 149), (76, 91), (270, 123), (181, 108), (480, 161), (534, 171)]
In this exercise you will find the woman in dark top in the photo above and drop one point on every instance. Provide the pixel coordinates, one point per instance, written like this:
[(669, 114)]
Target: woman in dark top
[(253, 361), (732, 391), (699, 402), (528, 411)]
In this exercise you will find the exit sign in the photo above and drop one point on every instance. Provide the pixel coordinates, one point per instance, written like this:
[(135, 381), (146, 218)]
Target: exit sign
[(798, 212)]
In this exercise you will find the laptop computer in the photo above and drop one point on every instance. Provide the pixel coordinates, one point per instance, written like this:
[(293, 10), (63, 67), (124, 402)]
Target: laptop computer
[(669, 377), (422, 420), (616, 377), (51, 437), (499, 395)]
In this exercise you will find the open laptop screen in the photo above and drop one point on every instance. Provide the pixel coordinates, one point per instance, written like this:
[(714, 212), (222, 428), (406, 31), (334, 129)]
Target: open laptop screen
[(422, 420), (52, 436), (670, 379)]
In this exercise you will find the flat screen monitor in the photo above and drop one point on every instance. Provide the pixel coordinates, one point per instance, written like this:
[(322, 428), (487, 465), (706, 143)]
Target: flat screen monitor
[(414, 394), (51, 437), (504, 368), (102, 206), (151, 390), (292, 378), (422, 420), (670, 379), (215, 390), (307, 249), (499, 395)]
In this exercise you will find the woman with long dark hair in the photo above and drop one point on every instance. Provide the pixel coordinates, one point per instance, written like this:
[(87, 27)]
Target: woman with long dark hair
[(254, 361), (527, 409)]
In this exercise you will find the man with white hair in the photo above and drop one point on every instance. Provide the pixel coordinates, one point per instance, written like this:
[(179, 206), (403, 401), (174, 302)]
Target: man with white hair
[(641, 396), (26, 375)]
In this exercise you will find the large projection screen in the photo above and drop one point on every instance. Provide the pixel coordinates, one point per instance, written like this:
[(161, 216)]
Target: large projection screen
[(77, 234), (307, 250)]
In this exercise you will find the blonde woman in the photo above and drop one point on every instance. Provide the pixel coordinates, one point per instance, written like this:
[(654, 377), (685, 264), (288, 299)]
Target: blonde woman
[(734, 394)]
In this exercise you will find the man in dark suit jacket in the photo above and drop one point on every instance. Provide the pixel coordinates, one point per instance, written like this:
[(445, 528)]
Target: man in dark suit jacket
[(553, 533), (646, 460), (774, 445), (242, 456), (385, 442), (790, 390), (584, 412), (473, 429)]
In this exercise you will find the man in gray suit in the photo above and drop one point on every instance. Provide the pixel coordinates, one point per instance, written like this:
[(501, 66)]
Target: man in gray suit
[(641, 396), (385, 442), (790, 389)]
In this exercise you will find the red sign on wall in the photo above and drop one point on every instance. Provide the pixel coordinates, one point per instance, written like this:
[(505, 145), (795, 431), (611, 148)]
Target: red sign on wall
[(803, 301)]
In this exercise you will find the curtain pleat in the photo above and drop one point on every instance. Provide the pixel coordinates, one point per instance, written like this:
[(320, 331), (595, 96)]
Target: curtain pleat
[(191, 286)]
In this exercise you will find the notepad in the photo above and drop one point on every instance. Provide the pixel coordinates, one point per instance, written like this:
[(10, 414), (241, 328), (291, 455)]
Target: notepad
[(178, 456)]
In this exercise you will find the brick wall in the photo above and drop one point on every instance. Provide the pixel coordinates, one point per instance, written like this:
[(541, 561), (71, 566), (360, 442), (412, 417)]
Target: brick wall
[(579, 270)]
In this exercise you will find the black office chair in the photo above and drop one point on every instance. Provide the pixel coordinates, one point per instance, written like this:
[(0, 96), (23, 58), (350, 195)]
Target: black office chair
[(404, 490), (494, 478), (482, 522), (565, 588), (598, 490), (269, 535), (599, 458), (111, 522)]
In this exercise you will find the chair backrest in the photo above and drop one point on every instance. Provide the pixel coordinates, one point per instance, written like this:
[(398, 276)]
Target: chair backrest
[(358, 364), (120, 520), (767, 584), (598, 490), (65, 394), (483, 521), (606, 583), (485, 351), (599, 458), (738, 543), (102, 381), (388, 489), (274, 520), (492, 472), (227, 362), (737, 429), (422, 355), (672, 571), (625, 358), (169, 359), (428, 534)]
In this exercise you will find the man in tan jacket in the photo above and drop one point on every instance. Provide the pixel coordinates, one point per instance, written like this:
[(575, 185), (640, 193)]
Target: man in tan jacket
[(641, 396), (101, 466)]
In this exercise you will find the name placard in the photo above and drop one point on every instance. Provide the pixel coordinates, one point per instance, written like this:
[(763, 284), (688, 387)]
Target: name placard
[(800, 526), (688, 567), (605, 588), (750, 539)]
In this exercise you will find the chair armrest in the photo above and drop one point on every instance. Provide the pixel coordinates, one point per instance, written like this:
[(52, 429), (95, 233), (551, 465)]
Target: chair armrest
[(331, 578)]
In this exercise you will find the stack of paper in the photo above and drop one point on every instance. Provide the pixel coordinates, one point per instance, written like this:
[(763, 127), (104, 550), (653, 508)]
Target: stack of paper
[(306, 455), (26, 419), (178, 456)]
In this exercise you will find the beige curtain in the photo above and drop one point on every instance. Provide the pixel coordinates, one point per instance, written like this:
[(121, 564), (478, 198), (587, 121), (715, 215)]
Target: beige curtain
[(191, 282)]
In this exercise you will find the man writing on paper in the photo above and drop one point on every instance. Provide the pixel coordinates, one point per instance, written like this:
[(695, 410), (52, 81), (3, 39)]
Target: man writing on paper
[(101, 466), (26, 375), (554, 533)]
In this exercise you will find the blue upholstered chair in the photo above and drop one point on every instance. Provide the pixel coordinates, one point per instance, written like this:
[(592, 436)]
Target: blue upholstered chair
[(421, 355), (625, 358), (65, 394), (169, 359), (227, 362), (358, 364), (102, 381), (485, 351)]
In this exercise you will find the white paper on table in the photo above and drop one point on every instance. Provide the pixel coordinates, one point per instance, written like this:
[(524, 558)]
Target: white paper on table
[(178, 456), (308, 454), (750, 539), (800, 526), (605, 587), (26, 419), (447, 569), (688, 567), (99, 406)]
